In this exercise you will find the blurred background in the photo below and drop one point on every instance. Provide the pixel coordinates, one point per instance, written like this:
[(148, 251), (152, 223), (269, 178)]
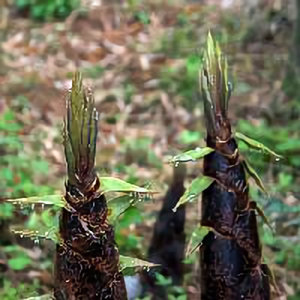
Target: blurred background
[(142, 60)]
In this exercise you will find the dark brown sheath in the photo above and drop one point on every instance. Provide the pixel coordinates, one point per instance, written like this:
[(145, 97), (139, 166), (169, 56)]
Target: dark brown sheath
[(230, 255), (168, 241), (87, 259)]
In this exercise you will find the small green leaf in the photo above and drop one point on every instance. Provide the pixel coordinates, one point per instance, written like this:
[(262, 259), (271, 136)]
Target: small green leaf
[(6, 210), (44, 225), (37, 10), (256, 145), (57, 200), (19, 263), (255, 176), (192, 155), (130, 262), (196, 238), (43, 297), (111, 184), (197, 186)]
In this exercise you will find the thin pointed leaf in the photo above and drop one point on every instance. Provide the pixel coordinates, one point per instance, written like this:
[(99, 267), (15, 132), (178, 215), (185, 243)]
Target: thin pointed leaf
[(196, 239), (265, 218), (272, 279), (44, 225), (197, 186), (256, 145), (255, 176), (191, 155), (131, 262), (43, 297), (51, 234), (57, 200), (110, 184)]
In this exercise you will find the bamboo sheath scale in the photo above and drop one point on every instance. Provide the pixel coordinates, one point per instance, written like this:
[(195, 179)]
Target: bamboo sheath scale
[(87, 259), (231, 253)]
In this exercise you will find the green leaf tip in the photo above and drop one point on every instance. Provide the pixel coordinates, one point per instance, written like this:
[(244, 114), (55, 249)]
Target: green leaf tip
[(191, 155), (257, 145), (131, 262), (214, 62), (196, 187), (255, 176), (196, 239), (112, 184), (56, 200)]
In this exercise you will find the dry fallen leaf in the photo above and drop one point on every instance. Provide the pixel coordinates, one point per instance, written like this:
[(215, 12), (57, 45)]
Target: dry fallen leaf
[(115, 37), (92, 56)]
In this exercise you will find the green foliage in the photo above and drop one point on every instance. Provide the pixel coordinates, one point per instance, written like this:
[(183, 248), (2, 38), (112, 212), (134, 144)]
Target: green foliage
[(127, 262), (256, 145), (9, 291), (6, 211), (195, 240), (18, 169), (46, 9), (284, 140), (134, 216), (18, 258), (254, 175), (174, 292), (191, 155), (189, 137), (196, 187), (122, 212), (56, 200), (111, 184), (143, 17)]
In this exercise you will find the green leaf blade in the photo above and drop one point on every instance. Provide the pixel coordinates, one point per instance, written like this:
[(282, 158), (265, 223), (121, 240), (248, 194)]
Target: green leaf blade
[(111, 184), (131, 262), (255, 176), (192, 155), (57, 200), (257, 145), (197, 186)]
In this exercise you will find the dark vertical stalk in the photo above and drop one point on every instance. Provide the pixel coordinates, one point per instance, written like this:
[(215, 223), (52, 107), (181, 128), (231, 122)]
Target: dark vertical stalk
[(87, 259), (168, 241), (230, 255)]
